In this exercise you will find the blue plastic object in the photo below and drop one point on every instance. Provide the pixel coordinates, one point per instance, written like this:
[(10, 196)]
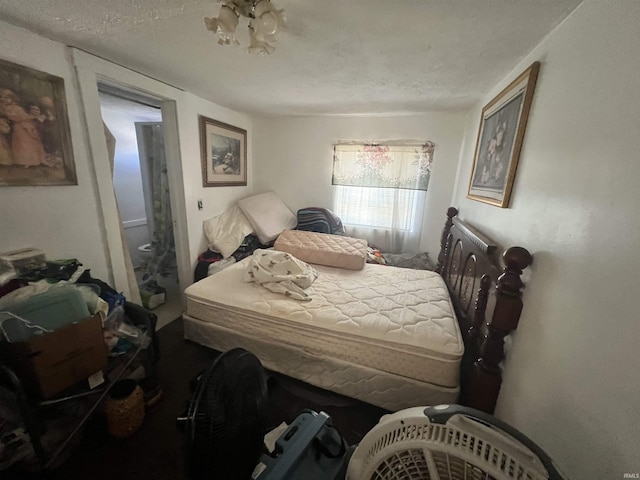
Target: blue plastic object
[(17, 329), (310, 448), (53, 309)]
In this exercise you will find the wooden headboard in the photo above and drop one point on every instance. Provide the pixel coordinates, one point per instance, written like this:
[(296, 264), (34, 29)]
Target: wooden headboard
[(481, 287)]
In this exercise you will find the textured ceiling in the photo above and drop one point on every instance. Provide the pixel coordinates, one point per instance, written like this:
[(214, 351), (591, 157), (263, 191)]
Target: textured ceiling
[(336, 56)]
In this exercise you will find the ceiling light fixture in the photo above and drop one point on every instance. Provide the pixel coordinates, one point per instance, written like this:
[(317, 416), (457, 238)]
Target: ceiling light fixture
[(265, 21)]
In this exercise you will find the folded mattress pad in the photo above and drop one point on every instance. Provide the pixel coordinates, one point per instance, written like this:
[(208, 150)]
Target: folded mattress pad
[(394, 320), (324, 249)]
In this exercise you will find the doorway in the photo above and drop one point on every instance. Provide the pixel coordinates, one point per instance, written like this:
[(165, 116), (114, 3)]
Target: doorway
[(142, 193)]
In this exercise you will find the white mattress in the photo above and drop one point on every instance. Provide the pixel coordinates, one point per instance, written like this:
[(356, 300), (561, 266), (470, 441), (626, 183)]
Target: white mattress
[(324, 249), (383, 389), (391, 320)]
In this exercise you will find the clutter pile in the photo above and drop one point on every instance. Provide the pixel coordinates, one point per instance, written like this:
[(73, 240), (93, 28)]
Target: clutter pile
[(64, 334)]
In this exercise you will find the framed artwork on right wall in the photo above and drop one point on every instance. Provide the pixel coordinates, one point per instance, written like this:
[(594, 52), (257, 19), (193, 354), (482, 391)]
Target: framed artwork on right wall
[(502, 125)]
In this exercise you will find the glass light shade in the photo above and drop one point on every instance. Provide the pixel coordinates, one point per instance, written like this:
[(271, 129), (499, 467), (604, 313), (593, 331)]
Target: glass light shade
[(261, 7), (227, 23), (267, 23), (257, 44)]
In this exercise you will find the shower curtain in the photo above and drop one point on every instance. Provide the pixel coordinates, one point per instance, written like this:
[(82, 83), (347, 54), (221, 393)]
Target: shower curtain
[(163, 251)]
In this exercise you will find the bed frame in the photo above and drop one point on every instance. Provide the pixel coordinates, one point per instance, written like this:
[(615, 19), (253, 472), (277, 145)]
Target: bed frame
[(479, 286)]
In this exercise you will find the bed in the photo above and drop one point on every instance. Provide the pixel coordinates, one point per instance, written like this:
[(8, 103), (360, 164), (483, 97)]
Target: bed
[(392, 337)]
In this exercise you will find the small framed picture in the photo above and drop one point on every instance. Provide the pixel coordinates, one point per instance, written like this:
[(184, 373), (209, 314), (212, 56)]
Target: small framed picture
[(35, 141), (224, 154), (502, 126)]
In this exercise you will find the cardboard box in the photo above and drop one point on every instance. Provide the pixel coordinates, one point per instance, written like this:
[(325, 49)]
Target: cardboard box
[(50, 363)]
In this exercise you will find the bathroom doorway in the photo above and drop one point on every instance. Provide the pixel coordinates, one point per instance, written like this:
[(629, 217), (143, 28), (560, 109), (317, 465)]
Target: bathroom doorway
[(142, 193)]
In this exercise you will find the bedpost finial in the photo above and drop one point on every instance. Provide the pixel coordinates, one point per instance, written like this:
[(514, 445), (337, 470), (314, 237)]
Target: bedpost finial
[(517, 258), (444, 251)]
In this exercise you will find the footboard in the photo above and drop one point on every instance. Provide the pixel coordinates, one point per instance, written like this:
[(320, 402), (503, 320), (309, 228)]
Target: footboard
[(480, 287)]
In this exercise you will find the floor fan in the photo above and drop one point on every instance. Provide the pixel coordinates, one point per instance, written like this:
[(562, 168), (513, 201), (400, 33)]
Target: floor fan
[(447, 442), (227, 414), (226, 419)]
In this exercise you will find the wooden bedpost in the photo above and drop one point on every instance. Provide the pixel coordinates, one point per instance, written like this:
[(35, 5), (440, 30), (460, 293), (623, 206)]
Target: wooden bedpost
[(442, 256), (474, 334), (486, 375)]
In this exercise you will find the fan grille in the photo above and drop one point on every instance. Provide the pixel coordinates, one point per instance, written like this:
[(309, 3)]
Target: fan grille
[(456, 455), (450, 467), (409, 464), (227, 418)]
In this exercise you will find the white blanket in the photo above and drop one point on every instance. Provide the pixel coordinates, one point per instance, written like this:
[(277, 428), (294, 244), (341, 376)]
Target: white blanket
[(281, 272)]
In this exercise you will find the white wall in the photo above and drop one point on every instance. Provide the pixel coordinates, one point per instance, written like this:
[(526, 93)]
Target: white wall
[(571, 379), (293, 156), (215, 200), (60, 220)]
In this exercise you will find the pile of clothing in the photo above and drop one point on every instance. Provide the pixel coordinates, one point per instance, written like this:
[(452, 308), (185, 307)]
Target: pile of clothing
[(98, 297), (321, 220)]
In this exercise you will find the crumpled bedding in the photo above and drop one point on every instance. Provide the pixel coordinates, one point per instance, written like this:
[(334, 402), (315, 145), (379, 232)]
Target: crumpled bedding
[(281, 272), (416, 261)]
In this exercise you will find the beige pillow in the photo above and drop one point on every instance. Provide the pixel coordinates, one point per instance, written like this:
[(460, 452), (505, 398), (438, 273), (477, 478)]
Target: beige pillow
[(268, 216), (226, 232), (324, 248)]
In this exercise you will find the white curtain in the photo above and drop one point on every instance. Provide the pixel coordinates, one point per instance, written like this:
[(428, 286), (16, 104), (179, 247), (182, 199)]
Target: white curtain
[(380, 192), (401, 210)]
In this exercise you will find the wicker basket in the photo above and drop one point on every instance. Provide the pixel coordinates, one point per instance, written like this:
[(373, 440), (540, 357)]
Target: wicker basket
[(124, 408)]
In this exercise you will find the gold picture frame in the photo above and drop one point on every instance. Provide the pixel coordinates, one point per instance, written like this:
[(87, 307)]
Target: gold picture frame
[(35, 140), (223, 149), (502, 126)]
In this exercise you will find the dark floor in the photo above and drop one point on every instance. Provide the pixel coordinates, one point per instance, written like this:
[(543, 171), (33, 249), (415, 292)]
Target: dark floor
[(155, 452)]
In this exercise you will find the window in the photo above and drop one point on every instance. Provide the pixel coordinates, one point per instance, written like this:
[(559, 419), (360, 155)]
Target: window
[(376, 207), (380, 190)]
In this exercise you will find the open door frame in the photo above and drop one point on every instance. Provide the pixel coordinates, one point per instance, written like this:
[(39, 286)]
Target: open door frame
[(90, 72)]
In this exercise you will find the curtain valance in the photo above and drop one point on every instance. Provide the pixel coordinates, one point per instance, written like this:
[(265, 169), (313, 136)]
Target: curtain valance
[(406, 166)]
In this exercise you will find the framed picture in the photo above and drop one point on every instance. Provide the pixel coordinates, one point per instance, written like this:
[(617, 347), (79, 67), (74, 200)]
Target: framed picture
[(502, 126), (224, 154), (35, 142)]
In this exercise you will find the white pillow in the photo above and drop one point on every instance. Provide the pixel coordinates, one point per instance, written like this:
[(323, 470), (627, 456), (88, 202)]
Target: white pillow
[(268, 216), (226, 232)]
